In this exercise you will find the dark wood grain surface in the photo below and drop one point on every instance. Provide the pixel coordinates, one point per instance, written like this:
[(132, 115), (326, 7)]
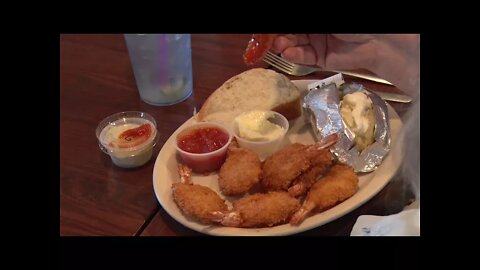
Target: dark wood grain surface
[(96, 80)]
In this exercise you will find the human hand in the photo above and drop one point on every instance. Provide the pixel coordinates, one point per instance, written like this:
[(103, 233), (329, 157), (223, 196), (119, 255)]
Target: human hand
[(393, 57)]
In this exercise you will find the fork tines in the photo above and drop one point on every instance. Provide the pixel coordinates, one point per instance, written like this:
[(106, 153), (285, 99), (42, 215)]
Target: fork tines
[(277, 62)]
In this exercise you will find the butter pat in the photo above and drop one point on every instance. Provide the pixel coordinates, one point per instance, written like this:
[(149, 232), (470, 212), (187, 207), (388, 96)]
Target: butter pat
[(254, 126), (357, 112)]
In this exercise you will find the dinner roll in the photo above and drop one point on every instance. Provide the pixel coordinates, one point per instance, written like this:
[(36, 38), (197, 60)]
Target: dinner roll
[(254, 89)]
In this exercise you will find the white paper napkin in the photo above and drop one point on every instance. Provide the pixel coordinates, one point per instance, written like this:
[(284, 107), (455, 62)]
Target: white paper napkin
[(405, 223)]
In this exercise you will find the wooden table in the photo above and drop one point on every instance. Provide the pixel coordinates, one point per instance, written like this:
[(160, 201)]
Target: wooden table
[(96, 80)]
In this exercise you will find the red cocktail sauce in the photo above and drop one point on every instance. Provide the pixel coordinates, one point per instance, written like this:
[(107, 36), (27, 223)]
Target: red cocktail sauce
[(199, 146), (203, 140)]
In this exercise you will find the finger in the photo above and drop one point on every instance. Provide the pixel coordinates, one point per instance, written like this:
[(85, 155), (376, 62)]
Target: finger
[(282, 42), (298, 40), (351, 56), (304, 55), (343, 54), (319, 43), (355, 38)]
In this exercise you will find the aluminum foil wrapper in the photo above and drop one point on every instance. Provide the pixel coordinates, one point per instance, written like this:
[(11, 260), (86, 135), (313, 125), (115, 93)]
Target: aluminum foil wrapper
[(322, 104)]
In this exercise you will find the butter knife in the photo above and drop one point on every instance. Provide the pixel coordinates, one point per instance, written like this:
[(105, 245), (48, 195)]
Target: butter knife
[(364, 76), (393, 96), (384, 95), (338, 80)]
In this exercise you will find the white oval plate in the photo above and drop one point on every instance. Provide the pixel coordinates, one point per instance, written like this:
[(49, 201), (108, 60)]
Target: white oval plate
[(165, 173)]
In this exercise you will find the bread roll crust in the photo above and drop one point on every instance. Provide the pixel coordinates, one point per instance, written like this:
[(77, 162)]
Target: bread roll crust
[(254, 89), (290, 110)]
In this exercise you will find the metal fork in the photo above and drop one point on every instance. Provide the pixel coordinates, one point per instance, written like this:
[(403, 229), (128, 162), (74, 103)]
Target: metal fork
[(301, 70)]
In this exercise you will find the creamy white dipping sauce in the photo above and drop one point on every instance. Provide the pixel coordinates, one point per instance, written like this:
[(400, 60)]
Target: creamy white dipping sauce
[(132, 156), (254, 126)]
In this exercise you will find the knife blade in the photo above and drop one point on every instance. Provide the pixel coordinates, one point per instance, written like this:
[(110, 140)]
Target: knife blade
[(364, 76), (393, 96), (338, 80), (384, 95)]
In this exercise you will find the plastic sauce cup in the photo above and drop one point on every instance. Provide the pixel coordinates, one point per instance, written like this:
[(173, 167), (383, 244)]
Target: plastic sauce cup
[(132, 151), (208, 161), (264, 148)]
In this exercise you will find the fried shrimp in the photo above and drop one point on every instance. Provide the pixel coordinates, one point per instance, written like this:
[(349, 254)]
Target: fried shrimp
[(339, 184), (320, 164), (195, 201), (240, 172), (283, 167), (258, 210)]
